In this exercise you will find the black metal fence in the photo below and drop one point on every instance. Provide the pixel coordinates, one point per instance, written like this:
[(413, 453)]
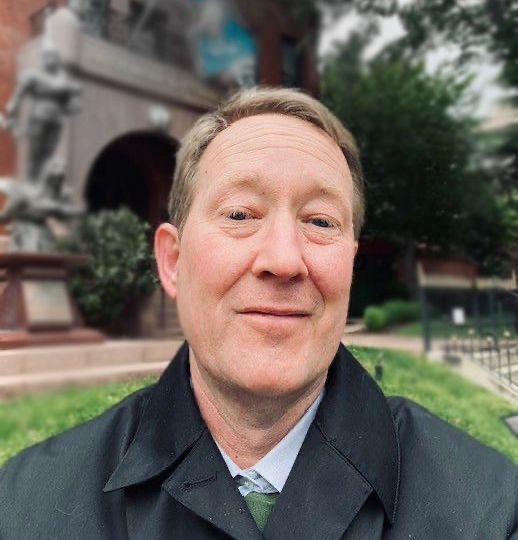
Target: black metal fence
[(483, 313), (485, 332), (497, 355)]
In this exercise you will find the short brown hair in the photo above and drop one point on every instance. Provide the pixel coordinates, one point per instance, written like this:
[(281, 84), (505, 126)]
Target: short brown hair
[(252, 102)]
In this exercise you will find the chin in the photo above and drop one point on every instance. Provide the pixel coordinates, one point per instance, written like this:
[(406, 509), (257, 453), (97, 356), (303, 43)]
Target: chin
[(271, 386), (280, 373)]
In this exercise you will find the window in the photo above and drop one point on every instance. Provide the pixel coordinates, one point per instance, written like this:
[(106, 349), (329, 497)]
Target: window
[(291, 75)]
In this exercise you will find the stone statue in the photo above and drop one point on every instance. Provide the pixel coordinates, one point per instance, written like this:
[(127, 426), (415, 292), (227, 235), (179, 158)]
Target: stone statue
[(34, 201), (31, 208), (54, 96), (93, 14)]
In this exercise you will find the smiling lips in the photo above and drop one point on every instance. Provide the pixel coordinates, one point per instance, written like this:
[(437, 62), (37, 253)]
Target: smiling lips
[(271, 321), (277, 313)]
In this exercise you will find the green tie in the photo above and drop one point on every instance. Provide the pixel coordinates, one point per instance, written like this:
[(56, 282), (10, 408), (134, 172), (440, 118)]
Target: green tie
[(260, 506)]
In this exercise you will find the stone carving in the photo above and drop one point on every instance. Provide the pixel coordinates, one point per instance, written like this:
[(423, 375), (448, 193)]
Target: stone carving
[(93, 14), (31, 208), (54, 96), (34, 201)]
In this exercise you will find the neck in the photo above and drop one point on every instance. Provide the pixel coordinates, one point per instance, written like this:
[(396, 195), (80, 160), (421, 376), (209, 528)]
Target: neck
[(247, 426)]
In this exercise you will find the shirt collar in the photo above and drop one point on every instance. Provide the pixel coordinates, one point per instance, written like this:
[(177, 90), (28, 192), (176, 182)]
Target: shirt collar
[(276, 465)]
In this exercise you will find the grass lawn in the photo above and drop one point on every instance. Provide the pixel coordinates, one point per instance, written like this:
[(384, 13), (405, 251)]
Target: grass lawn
[(443, 328), (28, 419)]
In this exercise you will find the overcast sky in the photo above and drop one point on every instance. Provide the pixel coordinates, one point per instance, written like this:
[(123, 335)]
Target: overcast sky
[(484, 85)]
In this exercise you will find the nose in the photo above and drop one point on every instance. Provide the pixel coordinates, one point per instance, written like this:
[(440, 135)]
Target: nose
[(280, 251)]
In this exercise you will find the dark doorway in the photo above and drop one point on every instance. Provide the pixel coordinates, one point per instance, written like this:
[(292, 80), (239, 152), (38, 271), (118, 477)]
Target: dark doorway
[(135, 171)]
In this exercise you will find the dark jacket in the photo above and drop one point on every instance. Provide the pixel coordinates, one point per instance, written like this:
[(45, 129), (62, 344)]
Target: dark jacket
[(370, 467)]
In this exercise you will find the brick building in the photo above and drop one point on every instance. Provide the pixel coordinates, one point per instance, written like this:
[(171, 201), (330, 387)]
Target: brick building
[(147, 71)]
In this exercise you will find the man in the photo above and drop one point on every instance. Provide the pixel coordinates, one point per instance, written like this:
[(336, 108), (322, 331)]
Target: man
[(263, 425)]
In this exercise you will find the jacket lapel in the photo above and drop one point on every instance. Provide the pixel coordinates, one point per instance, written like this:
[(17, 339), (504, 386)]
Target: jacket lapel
[(203, 484), (355, 418), (171, 424), (351, 451), (322, 496), (174, 455)]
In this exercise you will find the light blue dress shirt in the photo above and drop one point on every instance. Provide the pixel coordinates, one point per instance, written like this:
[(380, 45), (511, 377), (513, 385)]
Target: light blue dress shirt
[(270, 473)]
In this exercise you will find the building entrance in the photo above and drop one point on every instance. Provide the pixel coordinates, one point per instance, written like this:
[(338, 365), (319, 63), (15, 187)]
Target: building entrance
[(135, 171)]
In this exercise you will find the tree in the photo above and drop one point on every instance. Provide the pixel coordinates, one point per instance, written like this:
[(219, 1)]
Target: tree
[(487, 27), (478, 28), (415, 151)]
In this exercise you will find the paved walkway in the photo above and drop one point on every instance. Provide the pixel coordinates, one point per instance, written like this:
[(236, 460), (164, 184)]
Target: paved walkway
[(387, 341), (40, 368)]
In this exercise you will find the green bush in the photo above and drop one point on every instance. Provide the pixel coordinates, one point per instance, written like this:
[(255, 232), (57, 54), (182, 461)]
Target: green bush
[(401, 311), (375, 318), (391, 312), (119, 270)]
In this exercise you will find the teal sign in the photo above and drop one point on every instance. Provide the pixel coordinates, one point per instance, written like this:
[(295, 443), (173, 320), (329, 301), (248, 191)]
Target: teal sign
[(224, 45)]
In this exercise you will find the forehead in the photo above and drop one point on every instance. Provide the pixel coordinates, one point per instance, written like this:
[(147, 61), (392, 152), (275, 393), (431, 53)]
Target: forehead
[(273, 143)]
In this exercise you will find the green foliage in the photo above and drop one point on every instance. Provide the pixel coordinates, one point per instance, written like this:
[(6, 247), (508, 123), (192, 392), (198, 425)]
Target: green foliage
[(486, 227), (401, 310), (490, 25), (375, 318), (414, 150), (484, 25), (423, 183), (27, 420), (391, 312), (479, 219), (120, 265)]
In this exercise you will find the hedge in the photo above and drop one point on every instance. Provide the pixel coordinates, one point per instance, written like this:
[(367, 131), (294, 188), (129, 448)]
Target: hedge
[(391, 312)]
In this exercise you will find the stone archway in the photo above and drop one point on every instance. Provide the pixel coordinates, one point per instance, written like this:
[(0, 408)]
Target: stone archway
[(136, 171)]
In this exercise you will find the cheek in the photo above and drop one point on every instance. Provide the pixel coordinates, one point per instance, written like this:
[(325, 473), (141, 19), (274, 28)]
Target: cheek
[(211, 265), (332, 272)]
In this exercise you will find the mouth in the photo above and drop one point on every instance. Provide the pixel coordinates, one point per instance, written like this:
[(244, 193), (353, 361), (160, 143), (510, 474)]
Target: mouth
[(276, 313), (274, 320)]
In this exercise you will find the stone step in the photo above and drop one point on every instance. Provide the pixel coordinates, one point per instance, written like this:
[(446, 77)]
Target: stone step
[(61, 358), (12, 385)]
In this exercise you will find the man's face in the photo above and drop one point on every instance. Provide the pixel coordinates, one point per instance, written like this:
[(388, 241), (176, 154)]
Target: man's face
[(265, 259)]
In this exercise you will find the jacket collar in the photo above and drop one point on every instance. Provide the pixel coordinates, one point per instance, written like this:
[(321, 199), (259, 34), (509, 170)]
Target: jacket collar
[(170, 425), (354, 418)]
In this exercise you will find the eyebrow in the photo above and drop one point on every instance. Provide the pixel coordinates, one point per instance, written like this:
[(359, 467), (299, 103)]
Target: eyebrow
[(253, 182), (230, 185)]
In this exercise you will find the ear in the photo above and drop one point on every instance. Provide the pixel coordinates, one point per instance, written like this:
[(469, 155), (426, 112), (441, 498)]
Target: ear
[(167, 252), (356, 247)]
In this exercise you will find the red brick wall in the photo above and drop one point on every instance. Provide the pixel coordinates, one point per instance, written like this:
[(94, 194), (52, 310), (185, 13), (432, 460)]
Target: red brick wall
[(14, 31), (267, 19), (271, 21)]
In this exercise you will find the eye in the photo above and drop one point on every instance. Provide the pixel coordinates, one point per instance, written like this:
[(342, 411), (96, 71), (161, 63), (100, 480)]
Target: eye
[(238, 215), (321, 222)]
